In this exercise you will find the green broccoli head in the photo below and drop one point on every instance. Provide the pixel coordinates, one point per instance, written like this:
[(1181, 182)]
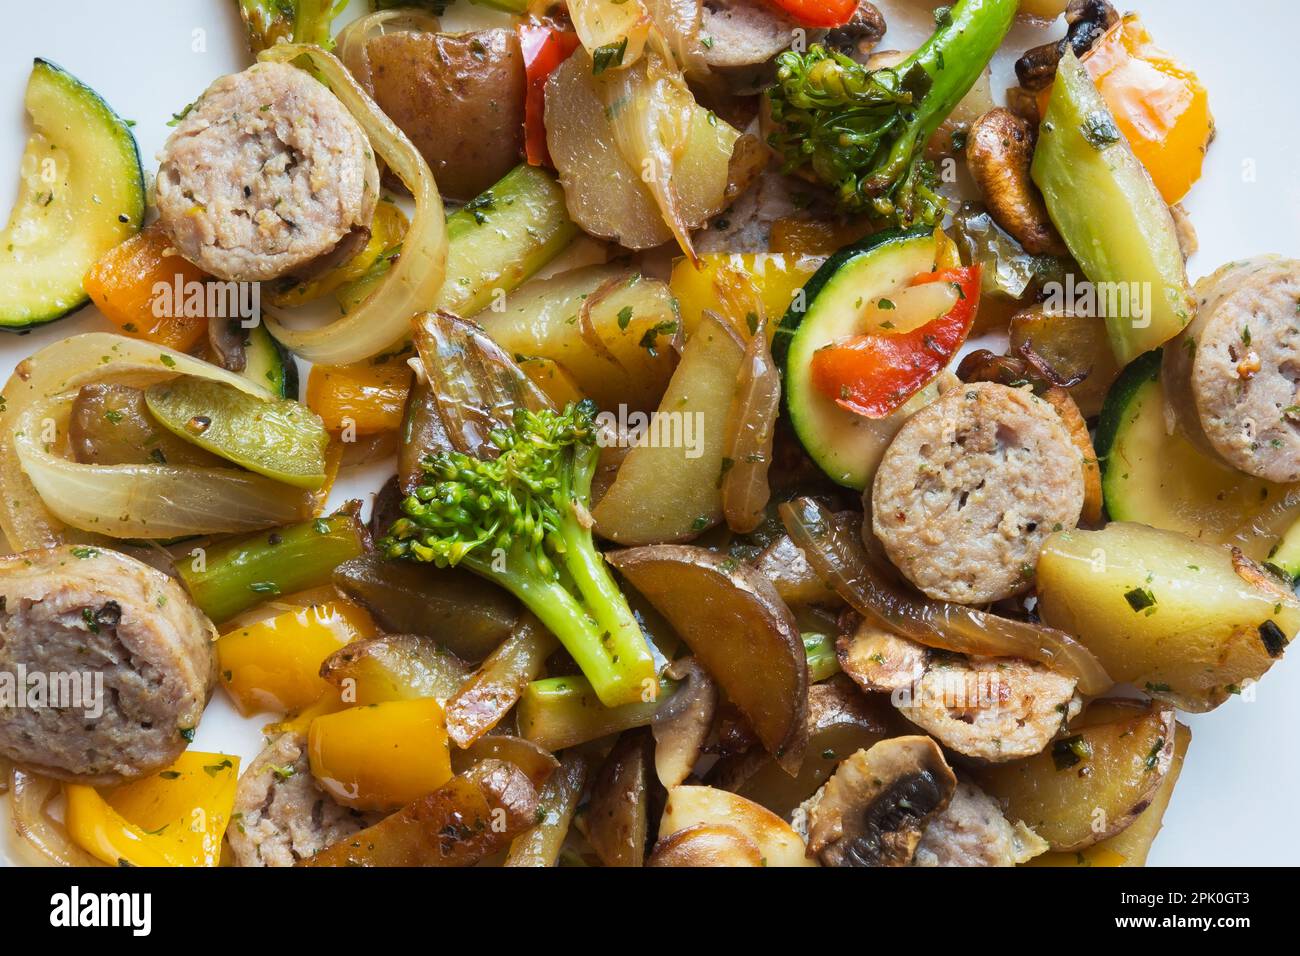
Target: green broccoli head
[(522, 496), (857, 131), (863, 132), (520, 519)]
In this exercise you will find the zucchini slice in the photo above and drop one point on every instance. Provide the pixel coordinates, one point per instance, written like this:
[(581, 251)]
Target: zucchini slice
[(82, 192), (269, 364), (1111, 215), (846, 446), (1153, 476)]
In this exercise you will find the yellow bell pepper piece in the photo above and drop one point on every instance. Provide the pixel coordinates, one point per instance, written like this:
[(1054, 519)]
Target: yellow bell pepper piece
[(366, 398), (381, 756), (775, 278), (176, 817), (1159, 105), (275, 664)]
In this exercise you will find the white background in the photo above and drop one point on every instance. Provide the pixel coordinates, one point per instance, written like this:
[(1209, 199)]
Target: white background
[(1234, 803)]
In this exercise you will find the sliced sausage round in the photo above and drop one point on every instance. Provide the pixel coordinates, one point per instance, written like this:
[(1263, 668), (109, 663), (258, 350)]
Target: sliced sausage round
[(1233, 375), (280, 815), (971, 831), (125, 658), (970, 487), (993, 709), (266, 173)]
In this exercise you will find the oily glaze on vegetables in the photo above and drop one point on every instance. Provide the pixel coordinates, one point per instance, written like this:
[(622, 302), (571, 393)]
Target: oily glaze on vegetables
[(517, 660)]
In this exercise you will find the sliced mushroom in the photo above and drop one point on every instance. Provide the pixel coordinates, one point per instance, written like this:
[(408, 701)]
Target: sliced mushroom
[(999, 151), (618, 812), (738, 628), (1088, 20), (994, 709), (681, 724), (777, 841), (873, 809), (971, 831), (877, 660), (706, 844)]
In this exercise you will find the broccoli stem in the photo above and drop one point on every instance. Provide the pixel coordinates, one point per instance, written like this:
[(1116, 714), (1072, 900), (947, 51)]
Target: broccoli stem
[(233, 576), (616, 660), (955, 56)]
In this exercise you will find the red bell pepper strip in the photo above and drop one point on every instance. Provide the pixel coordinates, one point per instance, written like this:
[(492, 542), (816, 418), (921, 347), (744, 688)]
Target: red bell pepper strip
[(818, 13), (544, 48), (875, 373)]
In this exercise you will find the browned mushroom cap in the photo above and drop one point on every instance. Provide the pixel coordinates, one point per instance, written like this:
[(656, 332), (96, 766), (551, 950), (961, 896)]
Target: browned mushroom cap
[(873, 809), (877, 660), (999, 151), (1088, 20)]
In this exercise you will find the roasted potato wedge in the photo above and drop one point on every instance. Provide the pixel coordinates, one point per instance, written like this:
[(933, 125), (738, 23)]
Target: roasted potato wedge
[(609, 328), (1131, 845), (782, 563), (536, 763), (459, 97), (739, 629), (1188, 622), (778, 843), (667, 488), (472, 816), (489, 693), (459, 610), (394, 667), (1093, 781)]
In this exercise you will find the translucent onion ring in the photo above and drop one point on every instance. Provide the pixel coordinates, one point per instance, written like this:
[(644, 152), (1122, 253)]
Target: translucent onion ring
[(65, 366)]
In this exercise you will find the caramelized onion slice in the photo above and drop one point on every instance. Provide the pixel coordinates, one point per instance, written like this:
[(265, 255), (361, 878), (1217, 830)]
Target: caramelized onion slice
[(840, 559)]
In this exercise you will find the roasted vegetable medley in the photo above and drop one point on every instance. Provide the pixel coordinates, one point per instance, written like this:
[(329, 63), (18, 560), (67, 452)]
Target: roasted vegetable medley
[(726, 440)]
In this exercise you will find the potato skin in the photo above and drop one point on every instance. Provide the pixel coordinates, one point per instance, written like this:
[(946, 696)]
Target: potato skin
[(460, 99), (1123, 753)]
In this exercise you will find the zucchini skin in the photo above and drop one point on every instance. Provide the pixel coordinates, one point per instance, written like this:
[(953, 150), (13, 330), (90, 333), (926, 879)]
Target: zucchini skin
[(130, 150), (1143, 369), (793, 318)]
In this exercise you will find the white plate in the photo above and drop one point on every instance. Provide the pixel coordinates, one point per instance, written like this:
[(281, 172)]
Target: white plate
[(149, 58)]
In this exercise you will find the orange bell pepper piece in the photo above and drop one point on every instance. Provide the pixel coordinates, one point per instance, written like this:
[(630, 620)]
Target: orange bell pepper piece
[(368, 398), (275, 664), (1160, 105), (124, 284), (176, 817), (381, 756), (877, 372)]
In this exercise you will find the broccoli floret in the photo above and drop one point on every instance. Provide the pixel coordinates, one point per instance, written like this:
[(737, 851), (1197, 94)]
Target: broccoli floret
[(269, 22), (863, 132), (521, 520)]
